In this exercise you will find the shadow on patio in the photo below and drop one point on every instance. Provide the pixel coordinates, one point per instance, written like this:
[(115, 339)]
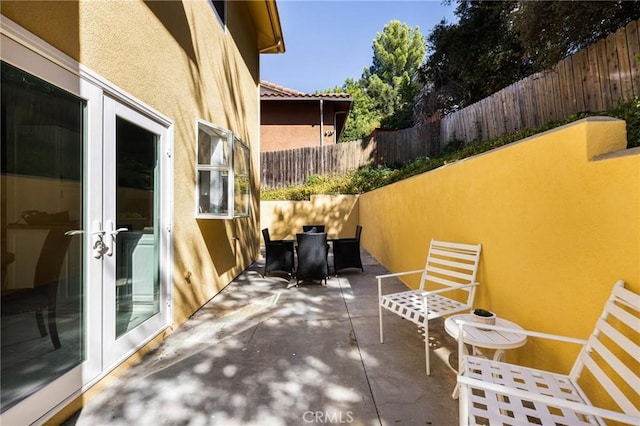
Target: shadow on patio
[(263, 352)]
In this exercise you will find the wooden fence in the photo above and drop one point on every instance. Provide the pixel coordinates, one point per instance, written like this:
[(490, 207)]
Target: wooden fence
[(593, 79), (292, 167)]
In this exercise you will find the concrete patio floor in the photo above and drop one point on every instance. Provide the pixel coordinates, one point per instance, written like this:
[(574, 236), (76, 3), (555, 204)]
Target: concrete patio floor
[(264, 352)]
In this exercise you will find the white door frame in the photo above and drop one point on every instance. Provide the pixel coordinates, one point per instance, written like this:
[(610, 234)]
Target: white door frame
[(26, 51), (116, 350)]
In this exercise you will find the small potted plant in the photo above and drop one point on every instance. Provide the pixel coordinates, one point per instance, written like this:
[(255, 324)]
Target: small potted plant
[(483, 316)]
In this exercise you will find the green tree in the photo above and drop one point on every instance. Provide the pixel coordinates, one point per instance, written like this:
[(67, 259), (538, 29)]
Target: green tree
[(363, 117), (495, 44), (551, 30), (474, 58), (383, 96), (398, 52)]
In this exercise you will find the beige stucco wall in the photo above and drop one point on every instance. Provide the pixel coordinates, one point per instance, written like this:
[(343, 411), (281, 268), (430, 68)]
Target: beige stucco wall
[(178, 59), (295, 124)]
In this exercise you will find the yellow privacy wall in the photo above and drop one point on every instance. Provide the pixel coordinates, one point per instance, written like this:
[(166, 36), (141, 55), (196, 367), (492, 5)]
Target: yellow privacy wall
[(558, 216), (338, 213)]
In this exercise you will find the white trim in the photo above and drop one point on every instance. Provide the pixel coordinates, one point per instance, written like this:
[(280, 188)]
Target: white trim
[(229, 167), (221, 19)]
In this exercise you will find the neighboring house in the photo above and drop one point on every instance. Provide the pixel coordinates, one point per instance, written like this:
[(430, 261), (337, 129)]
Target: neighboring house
[(291, 119), (129, 181)]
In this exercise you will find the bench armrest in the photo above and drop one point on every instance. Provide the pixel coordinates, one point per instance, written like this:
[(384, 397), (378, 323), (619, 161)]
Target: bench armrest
[(547, 400)]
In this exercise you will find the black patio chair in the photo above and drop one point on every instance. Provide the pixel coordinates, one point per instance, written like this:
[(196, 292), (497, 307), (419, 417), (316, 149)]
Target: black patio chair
[(312, 228), (346, 252), (279, 255), (313, 257)]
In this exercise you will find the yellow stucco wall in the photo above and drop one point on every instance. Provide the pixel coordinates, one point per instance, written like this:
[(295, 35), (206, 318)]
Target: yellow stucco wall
[(558, 225), (178, 59), (339, 214)]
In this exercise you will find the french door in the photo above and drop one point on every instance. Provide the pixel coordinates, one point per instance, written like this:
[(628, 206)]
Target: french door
[(134, 299), (85, 225)]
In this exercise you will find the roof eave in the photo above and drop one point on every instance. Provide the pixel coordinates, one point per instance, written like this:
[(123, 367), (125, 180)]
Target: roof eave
[(265, 15)]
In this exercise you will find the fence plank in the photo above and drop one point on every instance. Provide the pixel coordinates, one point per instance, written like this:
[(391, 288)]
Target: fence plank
[(594, 74), (613, 68), (633, 48), (577, 67), (603, 74), (626, 84)]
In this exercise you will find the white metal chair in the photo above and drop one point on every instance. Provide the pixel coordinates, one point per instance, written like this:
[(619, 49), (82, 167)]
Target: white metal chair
[(450, 268), (497, 393)]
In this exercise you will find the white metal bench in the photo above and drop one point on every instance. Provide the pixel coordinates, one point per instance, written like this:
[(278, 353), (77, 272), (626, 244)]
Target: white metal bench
[(451, 267), (497, 393)]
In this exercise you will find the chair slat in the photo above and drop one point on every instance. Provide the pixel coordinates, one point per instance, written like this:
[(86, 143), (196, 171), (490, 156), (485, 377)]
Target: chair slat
[(624, 316), (627, 297), (606, 382), (617, 337), (436, 253), (450, 273), (453, 264), (443, 281), (473, 248)]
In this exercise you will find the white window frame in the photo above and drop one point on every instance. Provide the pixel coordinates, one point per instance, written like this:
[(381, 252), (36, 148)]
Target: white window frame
[(223, 162), (223, 18)]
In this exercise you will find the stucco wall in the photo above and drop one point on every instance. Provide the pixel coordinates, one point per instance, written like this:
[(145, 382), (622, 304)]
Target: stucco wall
[(339, 213), (558, 221), (295, 124), (177, 58)]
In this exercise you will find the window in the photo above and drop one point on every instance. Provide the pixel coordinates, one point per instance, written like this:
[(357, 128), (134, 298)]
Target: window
[(222, 174), (220, 8)]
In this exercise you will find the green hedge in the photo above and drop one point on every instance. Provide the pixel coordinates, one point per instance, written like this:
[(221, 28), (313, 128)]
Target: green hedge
[(368, 178)]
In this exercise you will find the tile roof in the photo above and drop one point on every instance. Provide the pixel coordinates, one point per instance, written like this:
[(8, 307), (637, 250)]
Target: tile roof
[(275, 91)]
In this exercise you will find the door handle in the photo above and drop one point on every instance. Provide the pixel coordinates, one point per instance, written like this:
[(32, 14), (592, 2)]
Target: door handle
[(99, 247), (114, 234)]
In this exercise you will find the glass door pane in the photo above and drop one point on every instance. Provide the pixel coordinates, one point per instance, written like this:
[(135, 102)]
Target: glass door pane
[(137, 277), (133, 287), (41, 253)]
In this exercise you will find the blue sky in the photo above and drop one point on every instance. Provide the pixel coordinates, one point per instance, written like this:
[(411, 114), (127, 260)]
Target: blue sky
[(329, 41)]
